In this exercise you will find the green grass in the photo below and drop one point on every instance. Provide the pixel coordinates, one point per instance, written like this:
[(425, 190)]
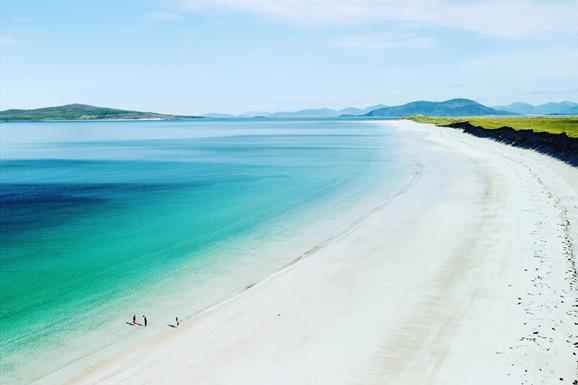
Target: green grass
[(551, 124)]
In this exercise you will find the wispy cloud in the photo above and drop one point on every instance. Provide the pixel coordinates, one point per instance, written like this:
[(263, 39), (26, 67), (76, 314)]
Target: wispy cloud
[(572, 91), (384, 40), (165, 16), (494, 18), (6, 40), (542, 63)]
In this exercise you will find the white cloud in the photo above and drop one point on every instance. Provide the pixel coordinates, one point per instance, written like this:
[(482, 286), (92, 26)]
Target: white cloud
[(387, 40), (165, 16), (495, 18)]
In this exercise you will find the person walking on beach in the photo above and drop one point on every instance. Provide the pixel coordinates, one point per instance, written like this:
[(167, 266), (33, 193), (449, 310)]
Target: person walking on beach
[(177, 319), (134, 319), (145, 321)]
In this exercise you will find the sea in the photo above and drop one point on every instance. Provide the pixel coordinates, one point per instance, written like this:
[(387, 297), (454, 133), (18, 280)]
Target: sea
[(103, 220)]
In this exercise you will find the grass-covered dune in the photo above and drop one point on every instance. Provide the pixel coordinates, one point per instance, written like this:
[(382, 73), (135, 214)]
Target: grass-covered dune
[(550, 124), (556, 136)]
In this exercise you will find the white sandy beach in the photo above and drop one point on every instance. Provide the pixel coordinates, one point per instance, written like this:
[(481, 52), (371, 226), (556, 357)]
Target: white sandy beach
[(467, 277)]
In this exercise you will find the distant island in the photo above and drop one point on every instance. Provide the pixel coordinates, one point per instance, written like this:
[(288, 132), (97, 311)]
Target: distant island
[(84, 112)]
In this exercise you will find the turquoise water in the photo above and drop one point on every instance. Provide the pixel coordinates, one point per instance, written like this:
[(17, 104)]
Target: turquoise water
[(103, 219)]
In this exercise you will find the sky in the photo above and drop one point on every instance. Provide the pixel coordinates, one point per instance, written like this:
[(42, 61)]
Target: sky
[(234, 56)]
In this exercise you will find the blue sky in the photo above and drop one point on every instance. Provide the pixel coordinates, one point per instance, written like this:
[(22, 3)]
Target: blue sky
[(200, 56)]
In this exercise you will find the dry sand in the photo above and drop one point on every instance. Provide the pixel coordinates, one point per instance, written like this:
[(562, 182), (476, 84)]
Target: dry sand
[(467, 277)]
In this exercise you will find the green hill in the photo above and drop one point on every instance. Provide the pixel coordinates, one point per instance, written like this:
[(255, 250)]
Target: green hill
[(82, 112), (453, 107)]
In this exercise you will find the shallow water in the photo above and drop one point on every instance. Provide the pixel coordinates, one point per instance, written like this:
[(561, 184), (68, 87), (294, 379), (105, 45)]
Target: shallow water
[(103, 219)]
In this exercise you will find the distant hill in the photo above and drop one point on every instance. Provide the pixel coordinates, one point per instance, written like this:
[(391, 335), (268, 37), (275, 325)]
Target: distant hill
[(560, 108), (326, 112), (82, 112), (306, 113), (354, 111), (309, 113), (571, 111), (518, 108), (218, 115), (453, 107)]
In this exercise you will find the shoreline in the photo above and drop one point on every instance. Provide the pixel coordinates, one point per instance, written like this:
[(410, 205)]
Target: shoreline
[(559, 146), (224, 270), (423, 289)]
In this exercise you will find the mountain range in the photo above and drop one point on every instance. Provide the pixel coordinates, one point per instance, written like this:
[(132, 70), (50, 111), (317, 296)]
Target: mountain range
[(307, 113), (452, 107), (560, 108)]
